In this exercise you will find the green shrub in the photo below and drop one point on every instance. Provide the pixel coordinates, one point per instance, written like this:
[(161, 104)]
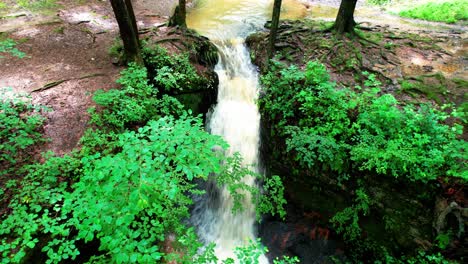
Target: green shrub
[(327, 129), (346, 222), (20, 122), (171, 73), (134, 104), (323, 130), (449, 11), (37, 211), (9, 46), (130, 186), (410, 142), (136, 197)]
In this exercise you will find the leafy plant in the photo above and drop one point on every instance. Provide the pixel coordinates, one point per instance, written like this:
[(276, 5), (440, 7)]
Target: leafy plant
[(134, 104), (340, 130), (37, 211), (171, 73), (20, 122), (128, 189), (443, 240), (341, 135), (9, 46), (137, 196), (449, 11), (346, 222)]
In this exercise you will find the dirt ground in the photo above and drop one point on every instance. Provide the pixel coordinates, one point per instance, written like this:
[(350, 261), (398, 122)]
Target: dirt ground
[(69, 45)]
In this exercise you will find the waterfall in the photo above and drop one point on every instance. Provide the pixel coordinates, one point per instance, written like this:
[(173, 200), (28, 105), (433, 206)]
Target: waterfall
[(235, 117)]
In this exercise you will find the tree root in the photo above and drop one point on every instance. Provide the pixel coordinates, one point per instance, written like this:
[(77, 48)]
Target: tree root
[(456, 210), (362, 38), (56, 83)]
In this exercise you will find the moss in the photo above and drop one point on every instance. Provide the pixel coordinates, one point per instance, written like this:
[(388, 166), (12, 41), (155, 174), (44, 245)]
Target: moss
[(59, 30), (433, 86), (460, 82)]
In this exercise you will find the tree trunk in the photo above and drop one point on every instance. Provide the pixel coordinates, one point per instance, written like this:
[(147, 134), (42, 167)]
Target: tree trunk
[(274, 28), (125, 17), (344, 22), (178, 19)]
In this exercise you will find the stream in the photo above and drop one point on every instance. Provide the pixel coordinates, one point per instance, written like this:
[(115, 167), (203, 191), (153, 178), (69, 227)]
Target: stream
[(235, 117)]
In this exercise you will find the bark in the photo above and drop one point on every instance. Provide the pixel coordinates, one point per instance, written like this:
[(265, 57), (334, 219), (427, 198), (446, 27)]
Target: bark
[(125, 17), (274, 28), (344, 22), (179, 17)]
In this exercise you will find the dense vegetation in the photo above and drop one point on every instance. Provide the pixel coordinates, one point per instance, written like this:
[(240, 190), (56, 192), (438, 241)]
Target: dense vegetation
[(341, 131), (130, 186), (449, 11), (352, 135), (125, 195)]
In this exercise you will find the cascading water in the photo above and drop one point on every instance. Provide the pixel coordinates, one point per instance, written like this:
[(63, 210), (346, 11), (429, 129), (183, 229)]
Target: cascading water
[(235, 117)]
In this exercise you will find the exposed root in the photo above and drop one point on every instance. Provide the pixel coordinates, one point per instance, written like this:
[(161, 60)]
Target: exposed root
[(56, 83)]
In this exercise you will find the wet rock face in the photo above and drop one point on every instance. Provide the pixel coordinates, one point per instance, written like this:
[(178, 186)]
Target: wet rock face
[(302, 237), (400, 216)]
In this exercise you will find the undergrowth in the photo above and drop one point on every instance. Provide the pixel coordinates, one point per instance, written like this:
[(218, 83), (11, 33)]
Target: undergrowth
[(20, 123), (129, 188), (36, 4), (350, 134), (342, 130), (9, 46), (449, 11)]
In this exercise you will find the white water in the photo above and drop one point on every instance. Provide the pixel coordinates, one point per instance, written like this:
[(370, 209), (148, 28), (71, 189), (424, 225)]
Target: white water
[(235, 117)]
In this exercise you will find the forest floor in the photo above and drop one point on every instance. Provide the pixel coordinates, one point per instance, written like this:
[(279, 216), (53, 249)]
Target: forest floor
[(68, 59)]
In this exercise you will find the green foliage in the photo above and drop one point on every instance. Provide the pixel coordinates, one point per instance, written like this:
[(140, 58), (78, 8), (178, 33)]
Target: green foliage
[(123, 199), (421, 258), (443, 239), (37, 211), (327, 129), (270, 202), (379, 2), (416, 145), (449, 11), (346, 222), (134, 104), (250, 253), (20, 121), (116, 49), (130, 186), (36, 4), (9, 46), (171, 73)]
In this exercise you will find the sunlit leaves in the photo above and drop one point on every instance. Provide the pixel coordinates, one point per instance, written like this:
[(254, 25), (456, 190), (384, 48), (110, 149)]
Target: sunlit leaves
[(138, 195), (337, 129)]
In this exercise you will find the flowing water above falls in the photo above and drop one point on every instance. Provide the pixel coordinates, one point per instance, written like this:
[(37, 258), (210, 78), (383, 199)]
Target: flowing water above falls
[(235, 117)]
